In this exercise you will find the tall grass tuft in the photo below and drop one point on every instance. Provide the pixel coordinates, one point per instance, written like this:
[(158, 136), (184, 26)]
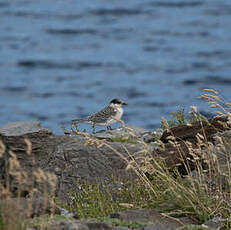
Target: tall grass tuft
[(201, 195), (21, 190)]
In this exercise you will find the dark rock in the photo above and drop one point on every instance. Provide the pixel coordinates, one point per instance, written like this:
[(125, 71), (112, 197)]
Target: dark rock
[(98, 225), (180, 150), (79, 225), (180, 157), (189, 132), (86, 158), (42, 145), (215, 223), (68, 157), (68, 225), (22, 128), (66, 213), (115, 215), (160, 226), (153, 218), (121, 228), (77, 160)]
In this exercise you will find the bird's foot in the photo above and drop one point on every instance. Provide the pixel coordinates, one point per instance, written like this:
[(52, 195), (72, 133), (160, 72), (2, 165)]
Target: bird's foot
[(109, 128), (93, 128)]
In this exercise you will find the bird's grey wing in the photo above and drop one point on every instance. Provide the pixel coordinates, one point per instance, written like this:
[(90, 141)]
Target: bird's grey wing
[(102, 115)]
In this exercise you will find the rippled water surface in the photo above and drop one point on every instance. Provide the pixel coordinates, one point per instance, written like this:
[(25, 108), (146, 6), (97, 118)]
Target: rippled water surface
[(65, 59)]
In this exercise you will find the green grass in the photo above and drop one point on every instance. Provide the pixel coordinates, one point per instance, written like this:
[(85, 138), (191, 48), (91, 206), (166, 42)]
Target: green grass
[(177, 118), (124, 139), (99, 200), (175, 197), (122, 223), (200, 197)]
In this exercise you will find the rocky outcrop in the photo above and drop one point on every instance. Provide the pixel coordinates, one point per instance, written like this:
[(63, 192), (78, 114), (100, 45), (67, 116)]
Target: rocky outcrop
[(206, 128), (68, 157), (48, 162), (75, 157), (141, 218), (154, 219), (182, 147)]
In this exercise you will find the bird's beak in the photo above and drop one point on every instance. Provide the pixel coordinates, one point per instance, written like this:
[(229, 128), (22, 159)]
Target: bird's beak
[(125, 103)]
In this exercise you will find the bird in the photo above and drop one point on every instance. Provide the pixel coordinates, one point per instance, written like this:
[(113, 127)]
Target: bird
[(107, 116)]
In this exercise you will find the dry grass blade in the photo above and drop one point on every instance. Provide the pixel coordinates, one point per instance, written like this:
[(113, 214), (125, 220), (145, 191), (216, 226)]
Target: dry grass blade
[(2, 148), (16, 211), (29, 146), (211, 90)]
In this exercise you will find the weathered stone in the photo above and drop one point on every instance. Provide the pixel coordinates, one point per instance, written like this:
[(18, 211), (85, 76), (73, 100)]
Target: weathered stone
[(67, 225), (132, 133), (180, 157), (78, 225), (193, 227), (121, 228), (160, 226), (180, 150), (153, 218), (68, 157), (216, 223), (13, 137), (78, 160), (22, 128), (189, 132)]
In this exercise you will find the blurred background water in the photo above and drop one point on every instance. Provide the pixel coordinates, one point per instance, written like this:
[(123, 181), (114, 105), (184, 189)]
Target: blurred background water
[(65, 59)]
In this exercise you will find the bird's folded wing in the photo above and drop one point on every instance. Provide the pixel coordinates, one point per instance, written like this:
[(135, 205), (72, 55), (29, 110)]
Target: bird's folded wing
[(103, 115)]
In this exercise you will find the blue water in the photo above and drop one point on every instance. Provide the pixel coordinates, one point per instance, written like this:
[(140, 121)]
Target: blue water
[(65, 59)]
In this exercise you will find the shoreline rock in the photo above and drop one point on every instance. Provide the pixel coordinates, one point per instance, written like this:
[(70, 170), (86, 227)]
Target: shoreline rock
[(96, 157)]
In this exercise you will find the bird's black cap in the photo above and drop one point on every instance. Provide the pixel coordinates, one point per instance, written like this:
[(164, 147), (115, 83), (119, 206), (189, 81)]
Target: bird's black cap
[(117, 101)]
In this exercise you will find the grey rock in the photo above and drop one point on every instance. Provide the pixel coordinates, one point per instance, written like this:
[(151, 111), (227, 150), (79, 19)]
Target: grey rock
[(98, 225), (153, 218), (22, 128), (79, 160), (121, 228), (160, 226), (65, 212), (78, 225), (68, 225), (194, 227), (118, 133), (68, 157), (129, 132), (148, 138), (43, 144), (215, 223)]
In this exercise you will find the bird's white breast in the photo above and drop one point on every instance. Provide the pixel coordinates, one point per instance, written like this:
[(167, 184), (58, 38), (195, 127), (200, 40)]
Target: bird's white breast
[(118, 115)]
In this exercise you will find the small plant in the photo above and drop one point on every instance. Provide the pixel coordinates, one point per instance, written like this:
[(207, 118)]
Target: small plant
[(178, 118), (94, 200), (124, 139)]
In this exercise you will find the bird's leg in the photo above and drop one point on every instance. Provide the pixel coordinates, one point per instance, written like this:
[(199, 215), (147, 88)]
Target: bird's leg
[(109, 127), (93, 127)]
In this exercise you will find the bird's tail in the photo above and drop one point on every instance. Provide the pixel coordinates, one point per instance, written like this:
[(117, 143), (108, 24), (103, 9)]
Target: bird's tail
[(80, 120)]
